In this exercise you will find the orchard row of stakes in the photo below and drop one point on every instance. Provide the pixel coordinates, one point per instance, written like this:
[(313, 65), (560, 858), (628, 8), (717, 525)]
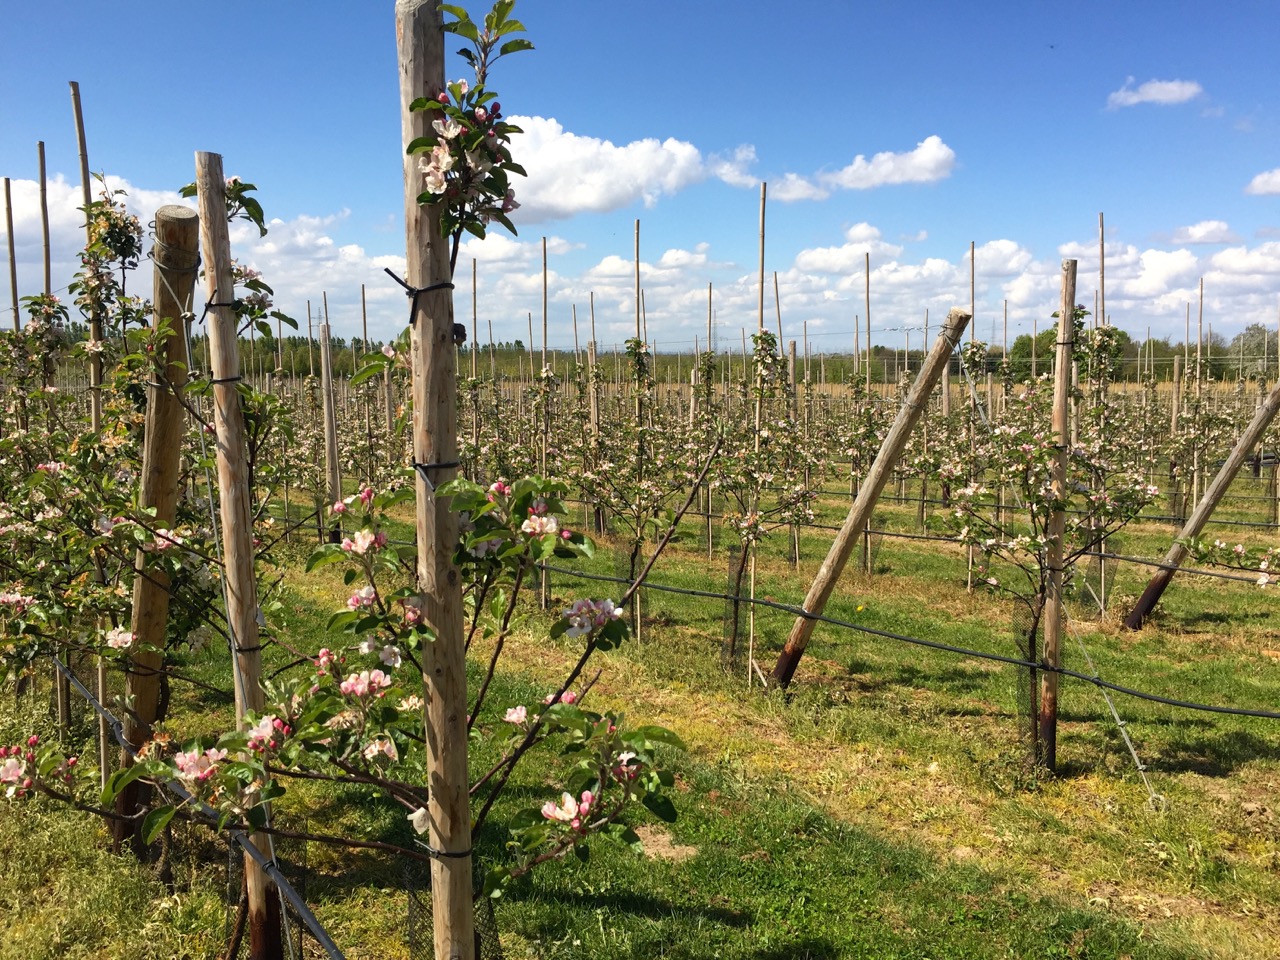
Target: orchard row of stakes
[(764, 444)]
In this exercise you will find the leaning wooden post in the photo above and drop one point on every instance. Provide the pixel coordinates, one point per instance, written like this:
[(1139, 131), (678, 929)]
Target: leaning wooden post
[(241, 588), (420, 40), (881, 469), (1047, 728), (176, 257), (1262, 418)]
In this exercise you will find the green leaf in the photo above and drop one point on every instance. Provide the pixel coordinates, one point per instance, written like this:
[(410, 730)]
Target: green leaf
[(625, 834), (156, 821), (465, 29), (372, 367), (661, 806), (513, 46), (341, 620), (582, 852), (253, 211), (325, 555), (655, 734), (121, 779), (495, 880)]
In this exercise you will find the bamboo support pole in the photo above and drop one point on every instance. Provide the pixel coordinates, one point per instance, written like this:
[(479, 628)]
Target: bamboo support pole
[(881, 470), (240, 583), (420, 43)]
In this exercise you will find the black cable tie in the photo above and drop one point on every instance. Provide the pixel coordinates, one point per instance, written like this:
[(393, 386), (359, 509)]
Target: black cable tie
[(412, 292), (229, 303), (249, 649), (422, 468), (445, 854), (215, 380)]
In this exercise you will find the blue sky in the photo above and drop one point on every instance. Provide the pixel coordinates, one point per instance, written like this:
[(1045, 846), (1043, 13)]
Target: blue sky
[(903, 130)]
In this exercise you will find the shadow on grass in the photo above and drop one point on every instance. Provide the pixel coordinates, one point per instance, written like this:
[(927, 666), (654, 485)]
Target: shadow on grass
[(649, 907), (811, 948), (1215, 755)]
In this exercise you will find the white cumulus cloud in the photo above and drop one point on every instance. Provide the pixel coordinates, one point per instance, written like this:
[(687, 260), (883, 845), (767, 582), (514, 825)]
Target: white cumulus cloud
[(861, 239), (1265, 183), (571, 174), (1206, 231), (931, 160), (1164, 92)]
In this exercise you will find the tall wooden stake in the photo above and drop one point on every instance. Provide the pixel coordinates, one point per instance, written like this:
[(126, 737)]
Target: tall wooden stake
[(13, 257), (241, 587), (881, 469), (1047, 740), (420, 42), (332, 469), (44, 219), (176, 257), (95, 403)]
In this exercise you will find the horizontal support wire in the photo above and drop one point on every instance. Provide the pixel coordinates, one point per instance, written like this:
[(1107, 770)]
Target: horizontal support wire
[(931, 644)]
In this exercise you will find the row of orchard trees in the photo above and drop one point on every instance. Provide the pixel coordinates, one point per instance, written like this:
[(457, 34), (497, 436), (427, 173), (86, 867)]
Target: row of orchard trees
[(385, 704)]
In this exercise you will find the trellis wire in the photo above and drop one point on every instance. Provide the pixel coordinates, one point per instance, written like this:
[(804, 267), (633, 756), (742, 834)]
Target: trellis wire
[(937, 645)]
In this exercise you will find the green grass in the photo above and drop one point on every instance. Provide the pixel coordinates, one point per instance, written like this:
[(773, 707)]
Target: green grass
[(883, 809)]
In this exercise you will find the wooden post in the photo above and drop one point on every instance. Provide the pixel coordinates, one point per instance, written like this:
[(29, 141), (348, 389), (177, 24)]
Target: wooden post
[(1047, 738), (1178, 502), (176, 257), (95, 407), (332, 471), (1204, 508), (881, 469), (13, 257), (44, 218), (420, 42), (241, 588)]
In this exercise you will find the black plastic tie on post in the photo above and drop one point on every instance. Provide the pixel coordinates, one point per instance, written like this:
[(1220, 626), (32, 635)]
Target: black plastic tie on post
[(413, 292), (422, 468), (444, 854)]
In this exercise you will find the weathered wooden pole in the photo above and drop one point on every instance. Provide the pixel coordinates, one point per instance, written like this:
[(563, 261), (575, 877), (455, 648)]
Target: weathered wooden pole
[(1262, 418), (95, 408), (176, 257), (420, 42), (1047, 726), (881, 469), (13, 255), (44, 219), (332, 470), (240, 584)]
